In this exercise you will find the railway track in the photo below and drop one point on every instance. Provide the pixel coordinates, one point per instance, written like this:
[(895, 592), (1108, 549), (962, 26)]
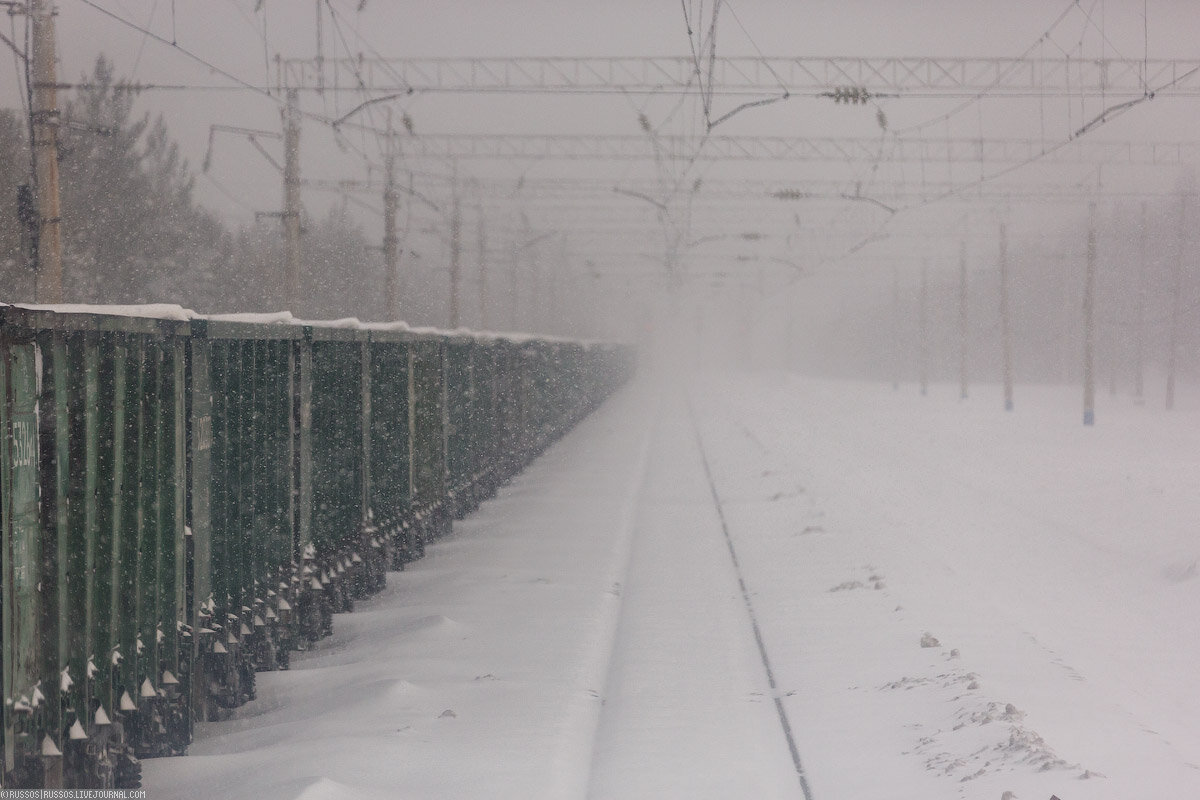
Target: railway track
[(691, 707)]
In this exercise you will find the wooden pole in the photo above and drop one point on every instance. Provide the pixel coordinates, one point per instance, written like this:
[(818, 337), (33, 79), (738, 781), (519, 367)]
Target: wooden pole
[(49, 286)]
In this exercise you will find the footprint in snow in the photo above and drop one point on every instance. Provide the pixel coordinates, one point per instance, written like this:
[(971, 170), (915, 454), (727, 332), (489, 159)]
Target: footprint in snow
[(1181, 571)]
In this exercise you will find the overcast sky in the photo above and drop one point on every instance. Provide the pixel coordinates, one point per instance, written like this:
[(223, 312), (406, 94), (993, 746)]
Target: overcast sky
[(243, 36)]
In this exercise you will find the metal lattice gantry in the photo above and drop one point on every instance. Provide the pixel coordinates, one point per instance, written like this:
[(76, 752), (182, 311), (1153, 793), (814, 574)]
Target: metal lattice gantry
[(558, 193), (799, 148), (885, 76)]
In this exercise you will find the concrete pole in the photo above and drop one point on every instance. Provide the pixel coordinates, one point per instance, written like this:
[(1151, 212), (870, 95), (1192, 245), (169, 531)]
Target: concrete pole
[(482, 245), (793, 303), (391, 256), (1112, 335), (455, 252), (49, 286), (1005, 331), (535, 313), (320, 60), (556, 316), (923, 328), (1089, 323), (513, 286), (1176, 304), (963, 332), (895, 328), (1139, 355), (291, 201)]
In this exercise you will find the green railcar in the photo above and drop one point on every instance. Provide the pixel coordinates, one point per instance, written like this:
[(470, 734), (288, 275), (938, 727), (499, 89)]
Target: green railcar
[(484, 420), (184, 500), (427, 424), (243, 431), (390, 492), (460, 426), (24, 710), (97, 661)]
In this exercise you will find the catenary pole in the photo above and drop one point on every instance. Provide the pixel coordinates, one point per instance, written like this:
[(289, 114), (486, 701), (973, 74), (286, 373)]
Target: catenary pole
[(1139, 355), (1176, 304), (1005, 327), (482, 246), (391, 257), (291, 200), (923, 327), (455, 251), (962, 320), (1089, 323)]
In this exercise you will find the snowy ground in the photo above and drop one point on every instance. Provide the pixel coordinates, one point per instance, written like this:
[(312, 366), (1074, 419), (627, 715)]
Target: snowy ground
[(954, 602)]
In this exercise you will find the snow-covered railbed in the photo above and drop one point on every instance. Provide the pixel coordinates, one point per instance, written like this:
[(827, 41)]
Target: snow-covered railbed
[(688, 712), (955, 602), (476, 674), (963, 602)]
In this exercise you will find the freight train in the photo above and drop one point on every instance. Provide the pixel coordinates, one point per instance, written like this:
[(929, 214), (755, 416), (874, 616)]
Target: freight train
[(186, 500)]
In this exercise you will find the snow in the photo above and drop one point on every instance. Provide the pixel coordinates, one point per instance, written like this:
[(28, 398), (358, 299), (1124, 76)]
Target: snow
[(260, 318), (955, 601), (151, 310), (166, 311)]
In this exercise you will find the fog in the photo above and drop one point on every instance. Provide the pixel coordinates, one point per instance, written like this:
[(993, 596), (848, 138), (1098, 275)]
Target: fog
[(751, 576), (809, 263)]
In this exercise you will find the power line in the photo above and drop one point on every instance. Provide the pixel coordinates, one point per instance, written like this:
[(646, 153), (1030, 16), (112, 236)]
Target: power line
[(142, 44), (917, 76), (246, 85), (999, 79)]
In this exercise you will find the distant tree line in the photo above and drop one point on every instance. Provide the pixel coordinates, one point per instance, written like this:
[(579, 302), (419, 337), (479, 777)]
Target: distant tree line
[(134, 233)]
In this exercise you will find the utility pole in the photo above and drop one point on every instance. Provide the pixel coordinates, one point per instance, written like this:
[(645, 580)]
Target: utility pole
[(790, 343), (391, 204), (320, 60), (291, 200), (45, 147), (1089, 323), (1005, 333), (962, 320), (536, 314), (1112, 336), (555, 312), (512, 288), (923, 327), (455, 250), (482, 244), (895, 328), (1176, 304), (1140, 315)]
